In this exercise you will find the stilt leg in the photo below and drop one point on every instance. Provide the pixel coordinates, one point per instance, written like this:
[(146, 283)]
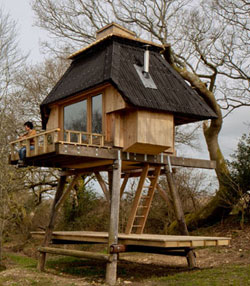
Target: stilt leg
[(179, 212), (49, 230), (111, 270)]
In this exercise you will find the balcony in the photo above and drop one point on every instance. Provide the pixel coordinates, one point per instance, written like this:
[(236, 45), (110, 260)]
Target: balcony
[(89, 151), (49, 151)]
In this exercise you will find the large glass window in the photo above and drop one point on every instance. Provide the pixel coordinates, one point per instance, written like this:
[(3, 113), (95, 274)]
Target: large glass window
[(97, 114), (75, 116)]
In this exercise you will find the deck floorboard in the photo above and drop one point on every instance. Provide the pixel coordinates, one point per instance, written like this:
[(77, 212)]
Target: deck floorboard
[(152, 240)]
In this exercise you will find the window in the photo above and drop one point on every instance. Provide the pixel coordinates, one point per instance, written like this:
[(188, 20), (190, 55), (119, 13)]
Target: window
[(85, 115), (97, 114), (75, 116)]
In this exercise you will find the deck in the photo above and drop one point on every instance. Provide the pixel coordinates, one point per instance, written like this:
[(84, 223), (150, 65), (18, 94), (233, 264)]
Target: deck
[(146, 240), (91, 154)]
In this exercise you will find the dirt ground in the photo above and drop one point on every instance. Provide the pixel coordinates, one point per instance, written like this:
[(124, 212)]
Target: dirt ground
[(138, 267)]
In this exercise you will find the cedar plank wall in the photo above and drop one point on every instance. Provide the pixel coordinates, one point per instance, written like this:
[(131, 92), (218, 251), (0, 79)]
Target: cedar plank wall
[(148, 132), (138, 131), (53, 121)]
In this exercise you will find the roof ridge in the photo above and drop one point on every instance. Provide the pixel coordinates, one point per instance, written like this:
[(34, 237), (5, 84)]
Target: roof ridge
[(75, 54)]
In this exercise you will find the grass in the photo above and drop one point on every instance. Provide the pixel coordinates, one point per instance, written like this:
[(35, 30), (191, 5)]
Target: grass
[(24, 273), (138, 274), (229, 275), (77, 267), (23, 261)]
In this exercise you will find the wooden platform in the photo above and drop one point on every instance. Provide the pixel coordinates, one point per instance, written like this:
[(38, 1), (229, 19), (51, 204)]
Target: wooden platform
[(89, 158), (147, 240)]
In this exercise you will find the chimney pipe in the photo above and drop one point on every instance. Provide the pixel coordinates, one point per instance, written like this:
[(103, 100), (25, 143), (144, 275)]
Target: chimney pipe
[(146, 61)]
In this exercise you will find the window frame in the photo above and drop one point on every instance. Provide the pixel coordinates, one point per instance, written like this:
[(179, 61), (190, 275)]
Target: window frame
[(87, 97)]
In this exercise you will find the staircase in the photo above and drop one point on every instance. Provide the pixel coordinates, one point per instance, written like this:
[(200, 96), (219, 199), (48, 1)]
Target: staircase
[(143, 199)]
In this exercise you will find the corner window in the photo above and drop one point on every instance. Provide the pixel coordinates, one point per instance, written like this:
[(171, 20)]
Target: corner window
[(75, 116), (96, 115), (85, 115)]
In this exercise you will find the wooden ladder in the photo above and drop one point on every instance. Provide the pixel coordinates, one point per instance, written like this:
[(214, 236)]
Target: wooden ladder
[(143, 199)]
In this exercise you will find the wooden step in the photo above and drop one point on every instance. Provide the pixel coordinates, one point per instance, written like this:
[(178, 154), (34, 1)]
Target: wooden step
[(149, 186)]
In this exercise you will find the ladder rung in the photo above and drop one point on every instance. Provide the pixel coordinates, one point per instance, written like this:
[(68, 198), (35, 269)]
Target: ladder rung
[(145, 197), (140, 216), (149, 186), (151, 177), (137, 225)]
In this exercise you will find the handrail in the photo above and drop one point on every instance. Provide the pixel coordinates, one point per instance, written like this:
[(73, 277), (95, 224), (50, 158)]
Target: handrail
[(45, 147), (44, 142), (36, 135)]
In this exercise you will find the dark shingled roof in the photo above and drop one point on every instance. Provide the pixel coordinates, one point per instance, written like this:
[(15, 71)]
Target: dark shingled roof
[(112, 60)]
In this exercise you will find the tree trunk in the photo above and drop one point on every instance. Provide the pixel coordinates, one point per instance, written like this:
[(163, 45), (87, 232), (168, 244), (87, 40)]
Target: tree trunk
[(222, 203)]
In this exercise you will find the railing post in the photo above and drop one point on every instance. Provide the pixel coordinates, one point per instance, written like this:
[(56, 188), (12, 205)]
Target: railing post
[(90, 138), (12, 150), (79, 137), (27, 148), (36, 145), (68, 136), (102, 141), (45, 143), (55, 136)]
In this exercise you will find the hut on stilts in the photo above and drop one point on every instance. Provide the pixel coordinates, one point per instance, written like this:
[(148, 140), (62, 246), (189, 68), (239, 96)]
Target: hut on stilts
[(115, 110)]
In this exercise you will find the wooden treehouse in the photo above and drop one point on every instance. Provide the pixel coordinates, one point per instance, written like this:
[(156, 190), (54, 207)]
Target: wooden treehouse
[(115, 110)]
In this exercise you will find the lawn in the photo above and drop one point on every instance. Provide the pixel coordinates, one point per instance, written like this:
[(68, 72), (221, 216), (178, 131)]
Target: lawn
[(73, 272)]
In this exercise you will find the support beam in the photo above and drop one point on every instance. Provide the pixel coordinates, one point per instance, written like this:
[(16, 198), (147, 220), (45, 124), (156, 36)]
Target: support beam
[(164, 195), (66, 193), (178, 211), (49, 230), (102, 185), (124, 184), (111, 270), (75, 253)]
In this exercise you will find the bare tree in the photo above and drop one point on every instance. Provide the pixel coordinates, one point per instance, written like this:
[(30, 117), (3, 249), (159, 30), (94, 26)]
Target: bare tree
[(22, 88), (33, 83), (10, 61), (209, 50)]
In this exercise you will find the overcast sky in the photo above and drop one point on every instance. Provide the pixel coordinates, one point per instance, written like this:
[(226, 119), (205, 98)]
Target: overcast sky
[(30, 36)]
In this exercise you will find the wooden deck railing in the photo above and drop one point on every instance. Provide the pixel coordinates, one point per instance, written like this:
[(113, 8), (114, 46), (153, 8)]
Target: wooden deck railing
[(44, 142), (83, 138)]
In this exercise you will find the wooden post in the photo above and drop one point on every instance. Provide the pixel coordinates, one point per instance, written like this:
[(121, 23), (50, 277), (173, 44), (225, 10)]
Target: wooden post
[(179, 211), (49, 230), (111, 270)]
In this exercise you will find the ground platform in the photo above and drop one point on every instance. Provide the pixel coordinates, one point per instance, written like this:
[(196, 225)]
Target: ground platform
[(146, 240)]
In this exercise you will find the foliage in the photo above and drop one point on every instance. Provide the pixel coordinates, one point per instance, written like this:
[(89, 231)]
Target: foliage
[(240, 164), (84, 210)]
